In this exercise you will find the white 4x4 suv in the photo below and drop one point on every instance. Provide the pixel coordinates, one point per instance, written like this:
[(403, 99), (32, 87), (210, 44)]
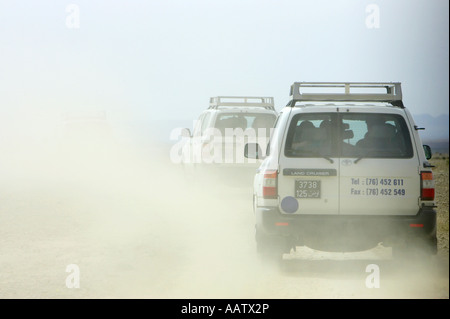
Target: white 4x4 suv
[(216, 145), (345, 170)]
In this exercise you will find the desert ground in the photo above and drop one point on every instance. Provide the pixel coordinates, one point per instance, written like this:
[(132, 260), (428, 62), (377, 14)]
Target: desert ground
[(124, 222)]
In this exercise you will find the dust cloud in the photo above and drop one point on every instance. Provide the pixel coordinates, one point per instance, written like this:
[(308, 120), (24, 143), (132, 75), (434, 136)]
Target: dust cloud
[(139, 226)]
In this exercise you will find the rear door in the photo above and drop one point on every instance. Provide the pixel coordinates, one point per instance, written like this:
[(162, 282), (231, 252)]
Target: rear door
[(308, 181), (378, 168)]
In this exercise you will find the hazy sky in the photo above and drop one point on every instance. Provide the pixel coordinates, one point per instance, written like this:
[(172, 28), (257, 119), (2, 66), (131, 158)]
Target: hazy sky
[(162, 60)]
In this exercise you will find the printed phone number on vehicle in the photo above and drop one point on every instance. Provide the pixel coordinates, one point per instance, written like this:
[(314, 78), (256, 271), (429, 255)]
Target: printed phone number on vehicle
[(386, 186), (374, 181)]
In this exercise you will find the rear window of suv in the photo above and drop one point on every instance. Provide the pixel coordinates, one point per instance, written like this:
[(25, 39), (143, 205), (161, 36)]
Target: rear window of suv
[(245, 121), (370, 135)]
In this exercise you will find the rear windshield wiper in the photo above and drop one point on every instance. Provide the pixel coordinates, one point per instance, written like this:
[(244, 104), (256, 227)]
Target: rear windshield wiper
[(310, 154), (327, 158), (358, 159), (369, 154)]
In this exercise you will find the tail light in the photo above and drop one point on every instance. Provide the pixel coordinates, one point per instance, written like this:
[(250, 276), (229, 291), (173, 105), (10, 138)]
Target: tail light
[(270, 189), (426, 186)]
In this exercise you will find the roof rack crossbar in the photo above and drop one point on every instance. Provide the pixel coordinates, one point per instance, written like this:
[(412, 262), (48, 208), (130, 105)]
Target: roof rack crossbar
[(392, 95), (244, 101)]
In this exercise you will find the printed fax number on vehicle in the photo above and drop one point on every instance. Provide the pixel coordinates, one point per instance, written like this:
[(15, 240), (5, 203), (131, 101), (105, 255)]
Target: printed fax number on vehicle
[(378, 191)]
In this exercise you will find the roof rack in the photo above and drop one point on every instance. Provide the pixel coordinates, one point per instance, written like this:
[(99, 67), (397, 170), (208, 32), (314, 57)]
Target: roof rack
[(366, 92), (241, 101)]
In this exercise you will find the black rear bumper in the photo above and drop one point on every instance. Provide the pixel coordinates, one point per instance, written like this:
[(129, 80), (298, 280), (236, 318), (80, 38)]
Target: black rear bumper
[(312, 229)]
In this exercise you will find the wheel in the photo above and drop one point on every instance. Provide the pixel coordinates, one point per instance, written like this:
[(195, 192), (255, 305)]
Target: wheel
[(271, 248)]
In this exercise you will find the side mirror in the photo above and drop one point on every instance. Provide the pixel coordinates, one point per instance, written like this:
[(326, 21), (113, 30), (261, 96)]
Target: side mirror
[(253, 150), (428, 152), (186, 132)]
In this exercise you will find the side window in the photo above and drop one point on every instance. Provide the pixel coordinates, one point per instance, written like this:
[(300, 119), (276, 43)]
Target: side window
[(197, 125), (205, 122), (271, 132), (201, 124)]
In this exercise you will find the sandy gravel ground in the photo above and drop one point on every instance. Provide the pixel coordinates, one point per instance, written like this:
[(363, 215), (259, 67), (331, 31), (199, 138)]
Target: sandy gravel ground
[(440, 171), (136, 228)]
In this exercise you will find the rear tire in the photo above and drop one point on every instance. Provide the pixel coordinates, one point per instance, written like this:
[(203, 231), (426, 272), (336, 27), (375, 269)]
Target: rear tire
[(271, 248)]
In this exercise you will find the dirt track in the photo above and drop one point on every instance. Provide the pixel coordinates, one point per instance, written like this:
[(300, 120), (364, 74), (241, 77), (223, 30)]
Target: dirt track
[(137, 229)]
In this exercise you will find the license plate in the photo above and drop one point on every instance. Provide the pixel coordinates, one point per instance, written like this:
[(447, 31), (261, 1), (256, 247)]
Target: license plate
[(307, 189)]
